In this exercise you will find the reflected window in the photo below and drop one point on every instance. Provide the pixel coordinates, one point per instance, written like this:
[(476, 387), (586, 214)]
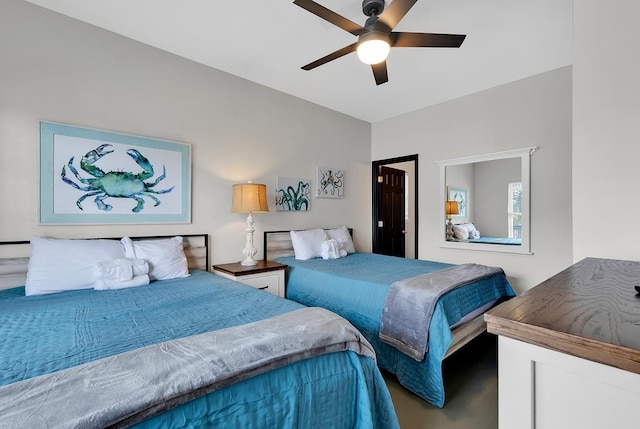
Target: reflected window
[(515, 210)]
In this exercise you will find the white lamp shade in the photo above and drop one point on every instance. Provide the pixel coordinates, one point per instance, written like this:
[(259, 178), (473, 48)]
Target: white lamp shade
[(373, 48), (249, 198)]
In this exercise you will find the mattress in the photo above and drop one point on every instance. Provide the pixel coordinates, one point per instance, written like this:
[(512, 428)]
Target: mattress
[(47, 333)]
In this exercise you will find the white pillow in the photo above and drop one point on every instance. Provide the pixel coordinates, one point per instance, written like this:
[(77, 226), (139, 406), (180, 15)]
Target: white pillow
[(59, 265), (307, 244), (460, 232), (166, 257), (344, 238)]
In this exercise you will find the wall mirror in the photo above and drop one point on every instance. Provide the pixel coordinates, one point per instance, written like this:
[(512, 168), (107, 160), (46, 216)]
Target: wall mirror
[(485, 202)]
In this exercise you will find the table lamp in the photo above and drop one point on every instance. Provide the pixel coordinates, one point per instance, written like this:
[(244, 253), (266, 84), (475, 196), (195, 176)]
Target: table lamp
[(249, 198), (450, 209)]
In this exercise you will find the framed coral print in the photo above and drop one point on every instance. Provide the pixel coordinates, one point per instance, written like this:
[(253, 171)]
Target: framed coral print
[(90, 176), (293, 194), (329, 183), (459, 195)]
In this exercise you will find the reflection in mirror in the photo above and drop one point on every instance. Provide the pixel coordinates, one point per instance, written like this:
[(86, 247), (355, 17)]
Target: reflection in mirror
[(492, 196), (490, 186)]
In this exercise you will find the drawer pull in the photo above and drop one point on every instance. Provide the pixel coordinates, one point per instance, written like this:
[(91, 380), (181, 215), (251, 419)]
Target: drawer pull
[(263, 287)]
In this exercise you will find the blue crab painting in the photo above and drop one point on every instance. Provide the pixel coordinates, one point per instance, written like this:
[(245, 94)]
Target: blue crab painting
[(114, 184)]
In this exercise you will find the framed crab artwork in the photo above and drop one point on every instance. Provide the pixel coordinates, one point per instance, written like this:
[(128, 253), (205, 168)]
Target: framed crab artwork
[(90, 176)]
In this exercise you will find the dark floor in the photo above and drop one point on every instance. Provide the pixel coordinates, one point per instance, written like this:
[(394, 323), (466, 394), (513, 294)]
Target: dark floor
[(471, 388)]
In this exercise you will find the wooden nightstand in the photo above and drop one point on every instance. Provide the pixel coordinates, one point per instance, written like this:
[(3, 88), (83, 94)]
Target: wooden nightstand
[(267, 275)]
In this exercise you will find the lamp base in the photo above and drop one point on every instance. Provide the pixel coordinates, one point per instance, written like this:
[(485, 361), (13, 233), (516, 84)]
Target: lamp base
[(249, 262), (249, 251), (449, 233)]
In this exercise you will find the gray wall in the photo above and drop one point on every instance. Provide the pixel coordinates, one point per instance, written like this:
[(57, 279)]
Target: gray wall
[(57, 69), (606, 129), (531, 112)]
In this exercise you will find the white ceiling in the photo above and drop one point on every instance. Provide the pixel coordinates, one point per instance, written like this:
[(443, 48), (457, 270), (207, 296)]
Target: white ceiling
[(267, 41)]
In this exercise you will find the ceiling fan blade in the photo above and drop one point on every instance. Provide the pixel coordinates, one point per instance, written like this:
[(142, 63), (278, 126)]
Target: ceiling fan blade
[(393, 13), (330, 16), (332, 56), (380, 72), (426, 40)]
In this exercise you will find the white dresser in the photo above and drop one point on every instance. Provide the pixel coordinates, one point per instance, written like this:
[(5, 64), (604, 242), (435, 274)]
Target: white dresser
[(569, 350)]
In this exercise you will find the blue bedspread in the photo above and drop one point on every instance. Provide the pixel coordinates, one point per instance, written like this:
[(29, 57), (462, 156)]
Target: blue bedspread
[(45, 333), (356, 288), (497, 240)]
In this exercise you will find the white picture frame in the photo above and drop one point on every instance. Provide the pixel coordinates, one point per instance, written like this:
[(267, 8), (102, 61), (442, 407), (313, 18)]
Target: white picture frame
[(90, 176), (329, 182), (460, 196)]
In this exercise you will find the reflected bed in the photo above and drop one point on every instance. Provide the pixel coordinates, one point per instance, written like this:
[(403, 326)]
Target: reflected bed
[(505, 241)]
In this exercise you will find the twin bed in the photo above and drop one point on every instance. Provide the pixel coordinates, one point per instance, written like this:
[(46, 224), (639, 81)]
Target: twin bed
[(357, 287), (187, 351)]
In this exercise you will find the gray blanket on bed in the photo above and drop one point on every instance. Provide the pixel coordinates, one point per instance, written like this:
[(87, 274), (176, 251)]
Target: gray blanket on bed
[(127, 388), (410, 303)]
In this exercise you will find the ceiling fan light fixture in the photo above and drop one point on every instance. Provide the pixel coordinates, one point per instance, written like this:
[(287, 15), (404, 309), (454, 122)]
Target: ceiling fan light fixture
[(376, 37), (373, 47)]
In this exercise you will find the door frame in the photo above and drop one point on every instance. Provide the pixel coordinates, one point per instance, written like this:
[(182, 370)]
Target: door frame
[(376, 196)]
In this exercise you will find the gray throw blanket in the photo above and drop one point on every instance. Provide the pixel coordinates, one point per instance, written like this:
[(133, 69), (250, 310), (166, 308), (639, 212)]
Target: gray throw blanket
[(127, 388), (408, 308)]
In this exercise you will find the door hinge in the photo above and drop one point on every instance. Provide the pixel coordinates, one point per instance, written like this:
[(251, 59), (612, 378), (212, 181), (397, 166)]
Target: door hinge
[(380, 224), (380, 179)]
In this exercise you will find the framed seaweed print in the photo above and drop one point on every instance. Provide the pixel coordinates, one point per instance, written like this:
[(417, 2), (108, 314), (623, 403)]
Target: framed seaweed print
[(293, 194), (90, 176)]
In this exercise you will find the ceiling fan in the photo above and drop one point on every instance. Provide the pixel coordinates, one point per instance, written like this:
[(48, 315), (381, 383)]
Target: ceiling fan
[(376, 38)]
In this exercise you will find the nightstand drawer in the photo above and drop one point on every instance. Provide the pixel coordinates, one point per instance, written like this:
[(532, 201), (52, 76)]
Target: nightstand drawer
[(265, 275), (268, 282)]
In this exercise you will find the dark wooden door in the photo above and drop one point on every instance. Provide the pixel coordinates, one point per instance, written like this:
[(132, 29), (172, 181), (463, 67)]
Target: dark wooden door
[(391, 221)]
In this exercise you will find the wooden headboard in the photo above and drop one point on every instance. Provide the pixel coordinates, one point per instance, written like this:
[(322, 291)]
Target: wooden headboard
[(13, 269), (277, 244)]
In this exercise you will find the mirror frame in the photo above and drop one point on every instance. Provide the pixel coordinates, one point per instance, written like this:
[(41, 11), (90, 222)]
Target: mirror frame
[(525, 158)]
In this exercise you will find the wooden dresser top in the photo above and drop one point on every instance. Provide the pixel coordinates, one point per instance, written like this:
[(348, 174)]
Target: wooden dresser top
[(590, 310)]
